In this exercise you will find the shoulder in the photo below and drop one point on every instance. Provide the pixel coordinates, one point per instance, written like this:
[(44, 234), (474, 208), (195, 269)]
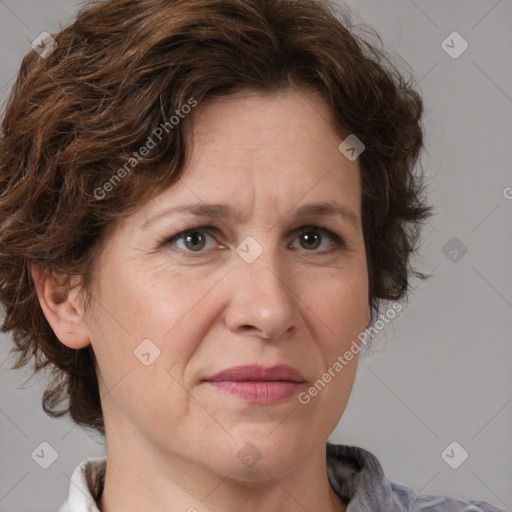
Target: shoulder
[(356, 475), (411, 502)]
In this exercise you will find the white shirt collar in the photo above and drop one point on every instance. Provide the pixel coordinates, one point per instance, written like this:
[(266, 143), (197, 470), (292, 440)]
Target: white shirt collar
[(86, 486)]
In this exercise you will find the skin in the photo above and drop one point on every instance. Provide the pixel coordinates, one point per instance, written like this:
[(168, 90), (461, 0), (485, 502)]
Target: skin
[(172, 439)]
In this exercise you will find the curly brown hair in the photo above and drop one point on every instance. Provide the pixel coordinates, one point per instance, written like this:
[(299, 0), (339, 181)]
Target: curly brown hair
[(75, 117)]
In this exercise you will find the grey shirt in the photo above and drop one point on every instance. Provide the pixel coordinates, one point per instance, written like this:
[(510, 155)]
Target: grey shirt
[(355, 475)]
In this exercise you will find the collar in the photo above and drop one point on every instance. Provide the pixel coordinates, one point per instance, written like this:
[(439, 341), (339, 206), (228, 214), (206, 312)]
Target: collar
[(354, 474)]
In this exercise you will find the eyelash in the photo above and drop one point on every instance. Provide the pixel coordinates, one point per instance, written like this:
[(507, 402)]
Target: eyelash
[(340, 244)]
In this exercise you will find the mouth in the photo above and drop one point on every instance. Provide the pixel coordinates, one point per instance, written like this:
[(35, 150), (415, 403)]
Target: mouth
[(259, 384)]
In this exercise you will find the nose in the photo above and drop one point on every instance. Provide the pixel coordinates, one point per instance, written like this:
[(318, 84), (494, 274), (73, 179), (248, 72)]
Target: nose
[(263, 302)]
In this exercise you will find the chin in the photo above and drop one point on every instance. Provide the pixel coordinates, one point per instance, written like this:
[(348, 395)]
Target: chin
[(258, 456)]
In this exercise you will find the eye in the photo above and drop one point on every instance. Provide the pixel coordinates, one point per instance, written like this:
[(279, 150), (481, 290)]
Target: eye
[(191, 240), (312, 237), (194, 241)]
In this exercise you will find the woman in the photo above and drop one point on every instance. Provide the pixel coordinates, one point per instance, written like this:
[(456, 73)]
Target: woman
[(204, 205)]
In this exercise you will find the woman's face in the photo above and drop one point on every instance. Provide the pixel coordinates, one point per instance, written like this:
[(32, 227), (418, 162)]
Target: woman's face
[(264, 284)]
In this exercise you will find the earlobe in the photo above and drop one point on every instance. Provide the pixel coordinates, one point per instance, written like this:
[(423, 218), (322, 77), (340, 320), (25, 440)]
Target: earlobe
[(59, 299)]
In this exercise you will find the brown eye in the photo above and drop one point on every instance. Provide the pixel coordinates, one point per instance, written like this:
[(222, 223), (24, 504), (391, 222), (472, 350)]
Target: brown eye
[(310, 239), (195, 241), (313, 237)]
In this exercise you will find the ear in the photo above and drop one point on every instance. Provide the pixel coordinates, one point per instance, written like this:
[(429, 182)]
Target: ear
[(59, 297)]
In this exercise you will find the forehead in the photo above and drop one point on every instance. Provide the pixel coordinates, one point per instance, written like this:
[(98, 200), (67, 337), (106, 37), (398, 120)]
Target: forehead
[(250, 118), (264, 152)]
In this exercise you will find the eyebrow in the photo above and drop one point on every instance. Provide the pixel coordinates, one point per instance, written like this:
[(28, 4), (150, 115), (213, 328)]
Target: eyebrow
[(224, 211)]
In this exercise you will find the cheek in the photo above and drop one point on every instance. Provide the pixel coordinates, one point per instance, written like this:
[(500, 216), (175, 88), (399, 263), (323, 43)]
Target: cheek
[(138, 321), (133, 315), (340, 304), (148, 302)]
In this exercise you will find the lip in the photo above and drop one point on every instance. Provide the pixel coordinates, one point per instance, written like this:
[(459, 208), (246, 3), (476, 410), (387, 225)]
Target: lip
[(259, 384), (255, 372)]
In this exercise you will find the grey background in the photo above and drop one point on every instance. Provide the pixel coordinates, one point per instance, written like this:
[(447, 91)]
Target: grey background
[(441, 371)]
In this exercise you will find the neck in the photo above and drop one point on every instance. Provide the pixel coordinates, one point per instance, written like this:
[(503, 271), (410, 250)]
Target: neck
[(146, 480)]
